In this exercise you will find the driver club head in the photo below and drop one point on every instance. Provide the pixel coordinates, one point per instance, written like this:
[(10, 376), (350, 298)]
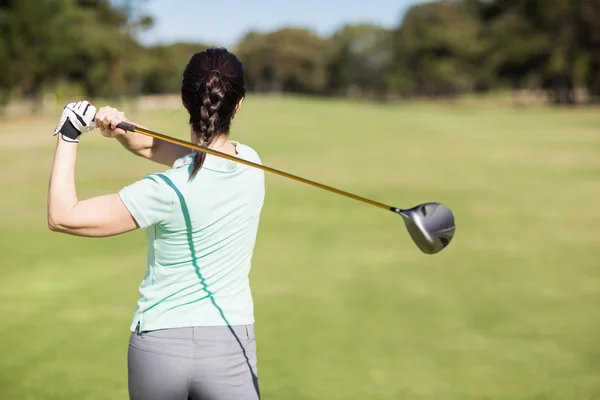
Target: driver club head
[(430, 225)]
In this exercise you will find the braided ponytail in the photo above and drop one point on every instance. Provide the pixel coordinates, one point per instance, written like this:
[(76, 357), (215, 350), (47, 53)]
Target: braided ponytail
[(209, 124), (212, 87)]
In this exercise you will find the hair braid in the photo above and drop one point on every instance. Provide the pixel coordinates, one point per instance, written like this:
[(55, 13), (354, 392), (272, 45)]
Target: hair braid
[(208, 127)]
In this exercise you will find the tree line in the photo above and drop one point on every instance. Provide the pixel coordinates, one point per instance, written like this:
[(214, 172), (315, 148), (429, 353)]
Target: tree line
[(439, 48)]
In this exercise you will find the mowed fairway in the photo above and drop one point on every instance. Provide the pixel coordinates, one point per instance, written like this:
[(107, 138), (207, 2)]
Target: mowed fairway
[(346, 305)]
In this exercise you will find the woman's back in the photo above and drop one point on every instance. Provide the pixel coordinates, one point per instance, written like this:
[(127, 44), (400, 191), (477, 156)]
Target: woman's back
[(201, 235)]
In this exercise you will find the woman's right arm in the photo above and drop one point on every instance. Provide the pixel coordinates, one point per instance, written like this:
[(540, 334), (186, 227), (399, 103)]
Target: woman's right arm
[(107, 119)]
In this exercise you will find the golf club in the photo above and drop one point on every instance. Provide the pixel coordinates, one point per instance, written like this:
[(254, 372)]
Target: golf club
[(430, 225)]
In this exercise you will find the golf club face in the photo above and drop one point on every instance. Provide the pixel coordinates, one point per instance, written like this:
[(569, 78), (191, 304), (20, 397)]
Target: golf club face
[(430, 225)]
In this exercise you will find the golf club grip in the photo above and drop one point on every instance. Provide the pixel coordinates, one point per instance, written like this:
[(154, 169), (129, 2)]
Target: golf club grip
[(126, 126), (132, 128)]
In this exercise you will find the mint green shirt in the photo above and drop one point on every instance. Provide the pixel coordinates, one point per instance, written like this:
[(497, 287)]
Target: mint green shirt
[(201, 236)]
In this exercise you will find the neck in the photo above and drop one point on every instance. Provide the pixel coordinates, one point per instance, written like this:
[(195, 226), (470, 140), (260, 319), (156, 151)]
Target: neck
[(221, 143)]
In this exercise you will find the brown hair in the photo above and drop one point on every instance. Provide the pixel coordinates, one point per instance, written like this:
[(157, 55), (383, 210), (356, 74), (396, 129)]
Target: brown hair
[(213, 84)]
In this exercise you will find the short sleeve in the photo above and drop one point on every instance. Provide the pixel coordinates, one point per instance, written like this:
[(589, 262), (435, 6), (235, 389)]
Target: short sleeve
[(149, 201)]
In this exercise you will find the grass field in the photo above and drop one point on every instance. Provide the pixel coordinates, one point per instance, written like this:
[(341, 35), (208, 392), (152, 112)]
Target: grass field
[(346, 305)]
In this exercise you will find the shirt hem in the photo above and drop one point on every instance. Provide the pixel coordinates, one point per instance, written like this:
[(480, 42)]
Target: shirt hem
[(158, 326)]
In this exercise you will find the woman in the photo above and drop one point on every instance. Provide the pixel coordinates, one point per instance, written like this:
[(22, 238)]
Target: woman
[(193, 329)]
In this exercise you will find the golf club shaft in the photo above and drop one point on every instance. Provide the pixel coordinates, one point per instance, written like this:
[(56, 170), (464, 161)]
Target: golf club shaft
[(132, 128)]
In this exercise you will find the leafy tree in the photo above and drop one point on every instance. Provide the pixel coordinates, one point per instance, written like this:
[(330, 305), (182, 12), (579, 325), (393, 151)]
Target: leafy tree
[(35, 44), (289, 59), (531, 44), (166, 63), (360, 56), (435, 50), (86, 41), (589, 36), (107, 59)]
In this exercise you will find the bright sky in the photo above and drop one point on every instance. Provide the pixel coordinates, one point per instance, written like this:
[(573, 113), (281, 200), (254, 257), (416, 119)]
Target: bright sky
[(225, 22)]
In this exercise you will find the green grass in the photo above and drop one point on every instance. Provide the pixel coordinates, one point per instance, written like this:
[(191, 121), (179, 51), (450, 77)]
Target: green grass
[(346, 305)]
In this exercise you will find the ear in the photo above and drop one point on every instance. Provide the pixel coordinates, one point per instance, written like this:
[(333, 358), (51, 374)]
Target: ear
[(239, 104)]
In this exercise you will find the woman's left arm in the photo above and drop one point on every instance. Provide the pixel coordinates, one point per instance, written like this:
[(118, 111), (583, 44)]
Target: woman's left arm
[(96, 217)]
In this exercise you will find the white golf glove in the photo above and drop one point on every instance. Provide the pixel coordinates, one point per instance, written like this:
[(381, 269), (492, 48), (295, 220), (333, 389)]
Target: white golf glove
[(77, 118)]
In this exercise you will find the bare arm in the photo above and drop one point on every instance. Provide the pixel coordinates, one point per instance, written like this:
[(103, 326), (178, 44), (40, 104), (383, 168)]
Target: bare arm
[(157, 150), (96, 217)]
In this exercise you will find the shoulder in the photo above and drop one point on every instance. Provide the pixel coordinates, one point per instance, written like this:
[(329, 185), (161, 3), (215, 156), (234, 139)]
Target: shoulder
[(170, 184), (149, 200), (152, 186), (247, 153)]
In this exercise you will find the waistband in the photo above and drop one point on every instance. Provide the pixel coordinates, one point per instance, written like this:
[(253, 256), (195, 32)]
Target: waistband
[(201, 332)]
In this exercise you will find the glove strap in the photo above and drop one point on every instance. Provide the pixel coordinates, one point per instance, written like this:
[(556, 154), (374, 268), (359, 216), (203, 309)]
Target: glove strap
[(69, 132)]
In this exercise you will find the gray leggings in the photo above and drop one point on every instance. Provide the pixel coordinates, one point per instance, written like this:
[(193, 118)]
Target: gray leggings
[(200, 363)]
